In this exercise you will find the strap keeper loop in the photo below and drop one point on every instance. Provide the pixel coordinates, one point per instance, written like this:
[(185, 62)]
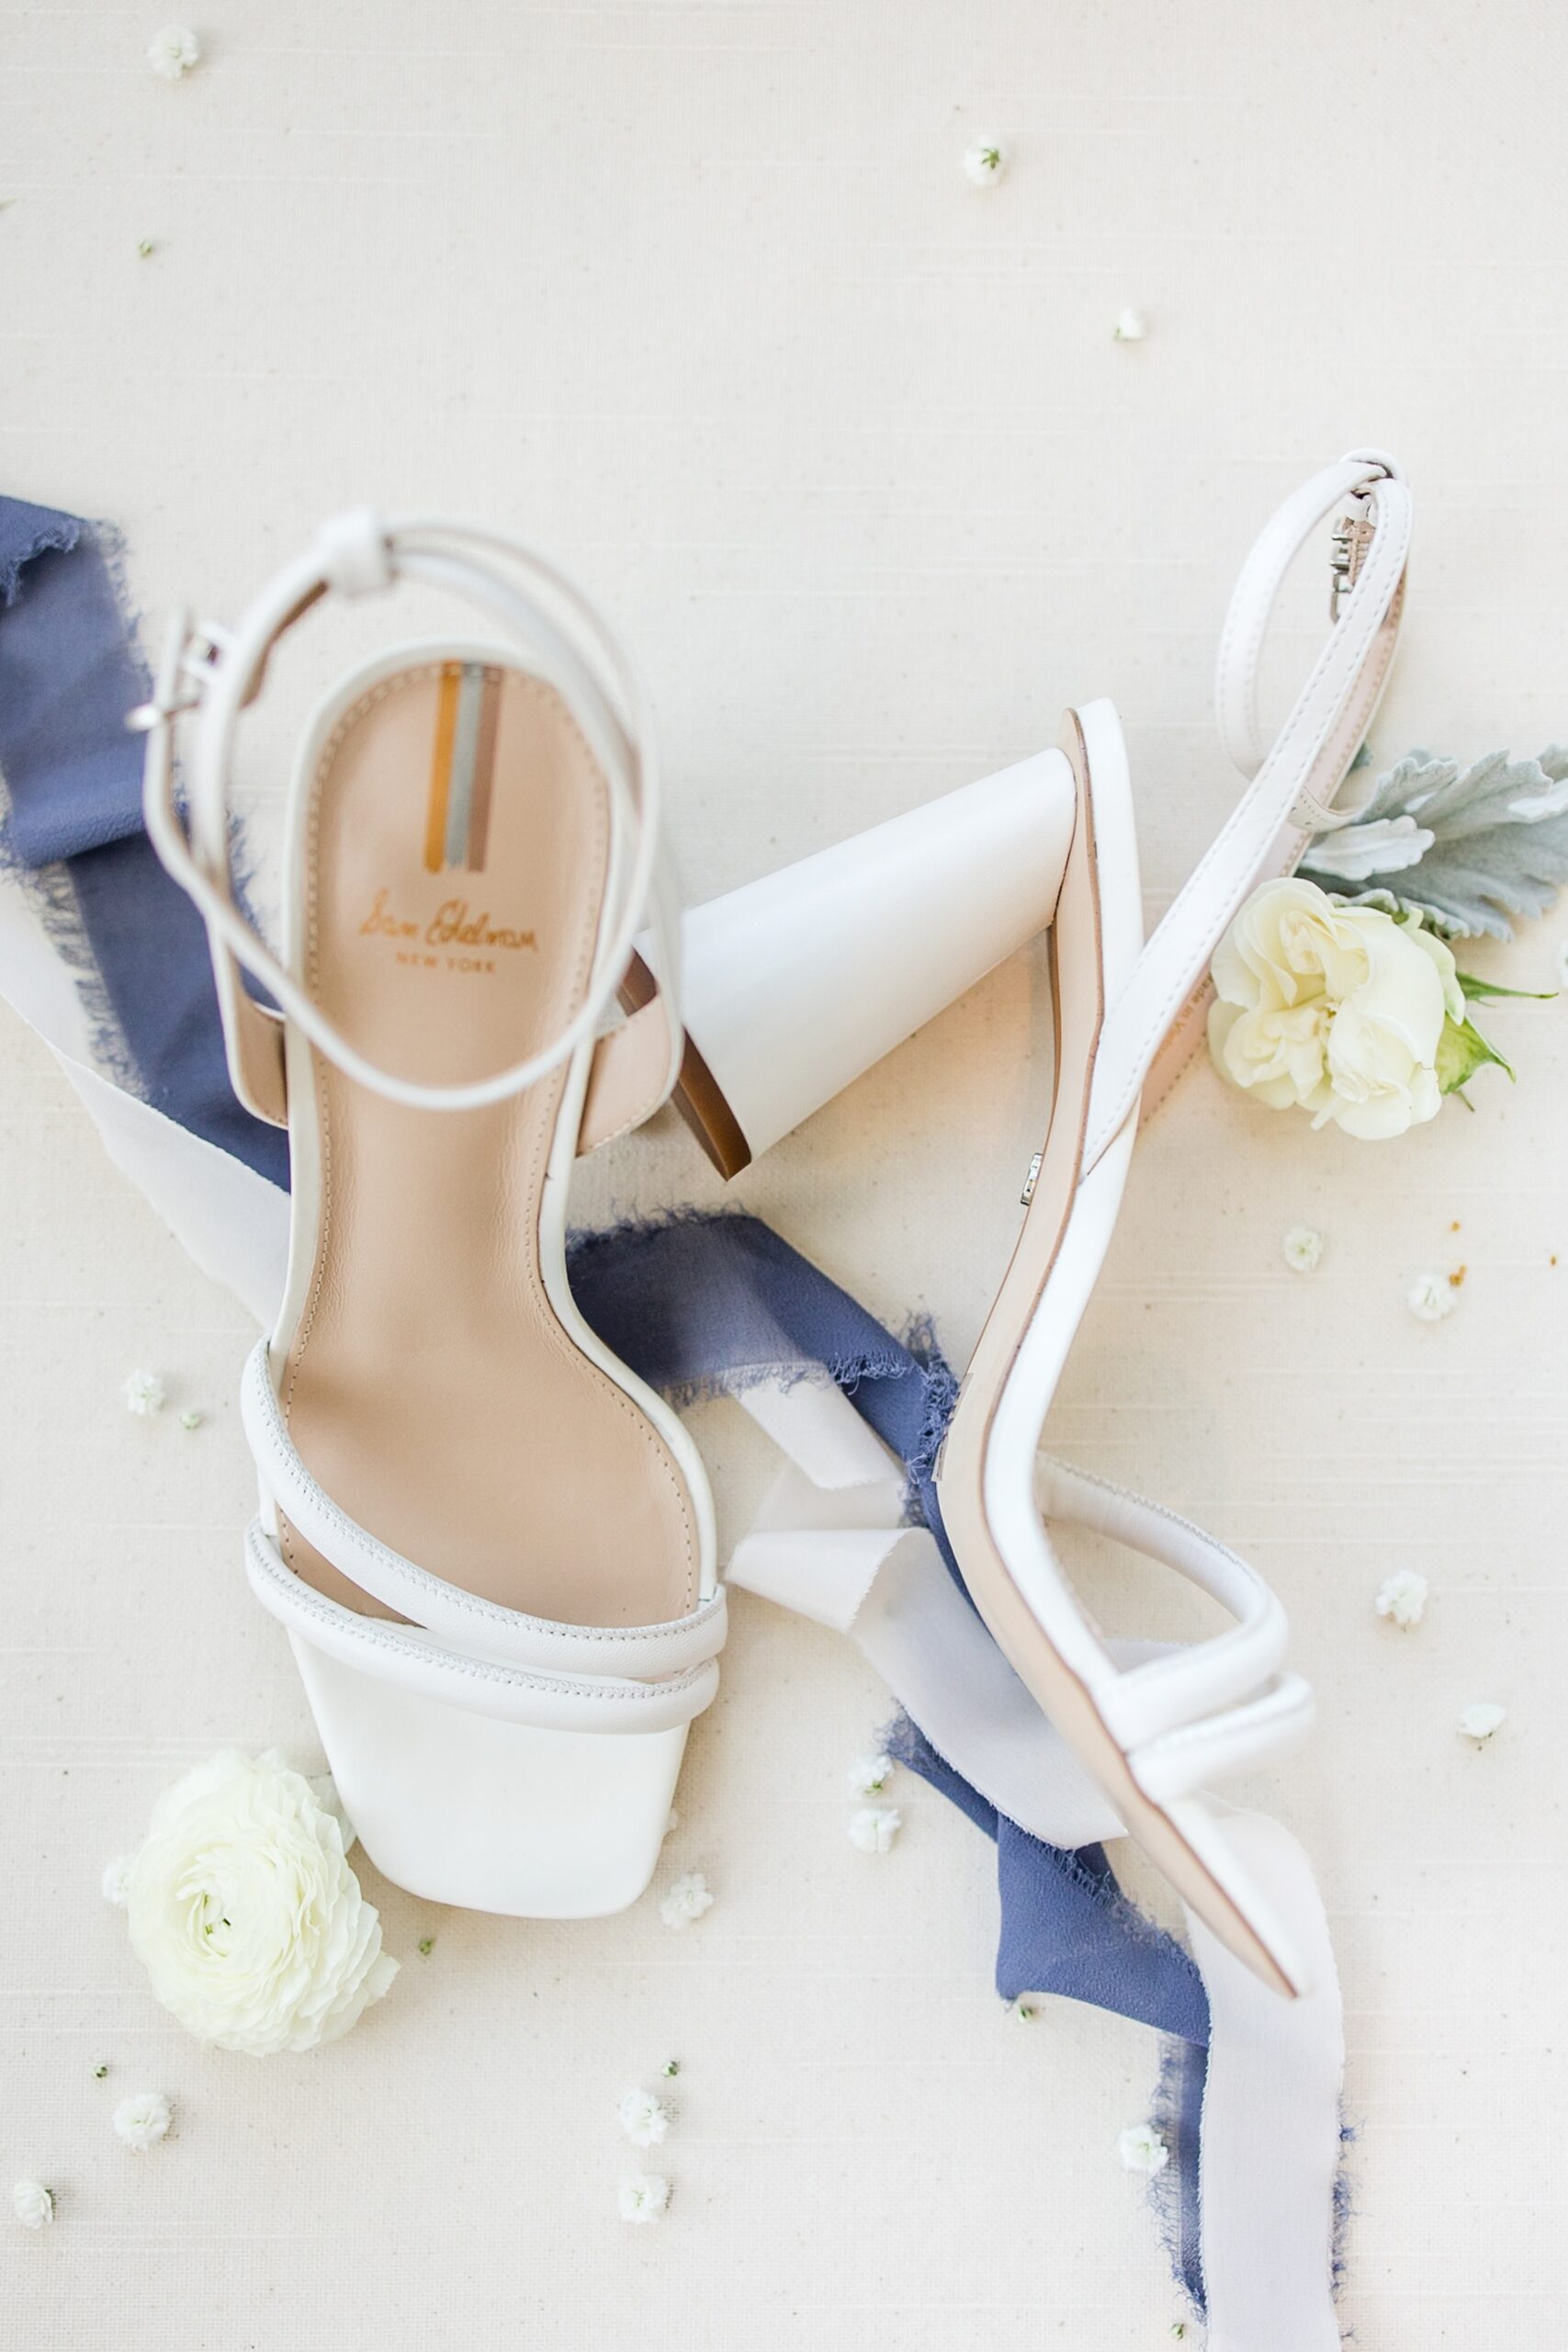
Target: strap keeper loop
[(355, 551)]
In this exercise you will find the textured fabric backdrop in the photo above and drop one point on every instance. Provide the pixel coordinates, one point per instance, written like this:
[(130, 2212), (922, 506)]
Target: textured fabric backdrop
[(699, 297)]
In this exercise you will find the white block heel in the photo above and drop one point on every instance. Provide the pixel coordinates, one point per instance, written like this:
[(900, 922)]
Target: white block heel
[(794, 984), (1155, 1734), (492, 1546)]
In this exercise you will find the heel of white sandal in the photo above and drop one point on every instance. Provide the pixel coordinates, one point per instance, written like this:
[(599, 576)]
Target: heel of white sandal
[(794, 984), (490, 1814)]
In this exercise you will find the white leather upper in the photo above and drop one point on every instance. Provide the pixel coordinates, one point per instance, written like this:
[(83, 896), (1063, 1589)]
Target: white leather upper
[(531, 1669), (1196, 1713), (1221, 1705), (445, 1643), (407, 1659), (1193, 1713)]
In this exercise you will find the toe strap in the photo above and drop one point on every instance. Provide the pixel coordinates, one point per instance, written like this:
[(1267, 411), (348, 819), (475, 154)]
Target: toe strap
[(459, 1620), (537, 1686), (1183, 1761), (1194, 1710), (451, 1644)]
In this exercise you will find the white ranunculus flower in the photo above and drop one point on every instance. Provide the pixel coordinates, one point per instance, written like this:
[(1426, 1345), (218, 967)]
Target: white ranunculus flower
[(245, 1914), (1336, 1008)]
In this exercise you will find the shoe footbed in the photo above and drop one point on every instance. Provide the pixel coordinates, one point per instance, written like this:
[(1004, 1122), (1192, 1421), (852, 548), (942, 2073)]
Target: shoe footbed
[(455, 856)]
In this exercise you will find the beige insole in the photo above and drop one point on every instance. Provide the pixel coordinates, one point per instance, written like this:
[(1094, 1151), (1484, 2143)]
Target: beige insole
[(456, 852)]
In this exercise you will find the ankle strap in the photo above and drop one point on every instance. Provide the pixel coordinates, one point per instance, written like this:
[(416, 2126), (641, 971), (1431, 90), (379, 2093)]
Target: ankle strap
[(215, 674), (1264, 574), (1293, 789)]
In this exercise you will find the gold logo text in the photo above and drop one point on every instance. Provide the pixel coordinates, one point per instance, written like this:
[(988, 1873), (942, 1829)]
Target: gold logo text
[(451, 925)]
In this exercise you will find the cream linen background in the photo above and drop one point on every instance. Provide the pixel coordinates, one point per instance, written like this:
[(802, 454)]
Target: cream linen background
[(699, 297)]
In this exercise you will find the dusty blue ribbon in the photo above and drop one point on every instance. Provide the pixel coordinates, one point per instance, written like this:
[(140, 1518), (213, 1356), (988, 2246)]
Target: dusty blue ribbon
[(696, 1305), (68, 672), (705, 1305)]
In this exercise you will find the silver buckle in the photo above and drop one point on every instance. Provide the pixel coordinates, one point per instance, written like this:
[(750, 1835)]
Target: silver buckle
[(200, 646), (1352, 537), (1031, 1180)]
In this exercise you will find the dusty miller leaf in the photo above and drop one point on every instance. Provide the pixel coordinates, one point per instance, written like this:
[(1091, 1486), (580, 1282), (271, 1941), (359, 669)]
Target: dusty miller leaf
[(1375, 845), (1499, 848)]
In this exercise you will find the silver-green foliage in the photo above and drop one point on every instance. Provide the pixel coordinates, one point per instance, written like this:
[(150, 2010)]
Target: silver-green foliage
[(1468, 851)]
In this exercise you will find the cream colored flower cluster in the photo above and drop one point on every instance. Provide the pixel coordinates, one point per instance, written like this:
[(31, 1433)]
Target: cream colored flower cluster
[(1335, 1010)]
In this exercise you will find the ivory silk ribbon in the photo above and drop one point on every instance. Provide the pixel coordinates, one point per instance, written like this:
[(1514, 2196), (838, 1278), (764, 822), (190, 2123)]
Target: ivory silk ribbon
[(99, 952)]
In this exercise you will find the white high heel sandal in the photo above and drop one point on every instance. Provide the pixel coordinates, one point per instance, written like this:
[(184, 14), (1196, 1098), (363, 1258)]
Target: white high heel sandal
[(490, 1544), (1154, 1735)]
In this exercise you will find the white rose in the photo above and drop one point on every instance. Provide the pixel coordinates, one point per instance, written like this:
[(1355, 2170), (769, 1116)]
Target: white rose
[(245, 1914), (1337, 1008)]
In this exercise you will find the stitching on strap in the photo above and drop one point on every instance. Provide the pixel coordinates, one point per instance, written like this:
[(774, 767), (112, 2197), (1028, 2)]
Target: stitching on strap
[(300, 1597)]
